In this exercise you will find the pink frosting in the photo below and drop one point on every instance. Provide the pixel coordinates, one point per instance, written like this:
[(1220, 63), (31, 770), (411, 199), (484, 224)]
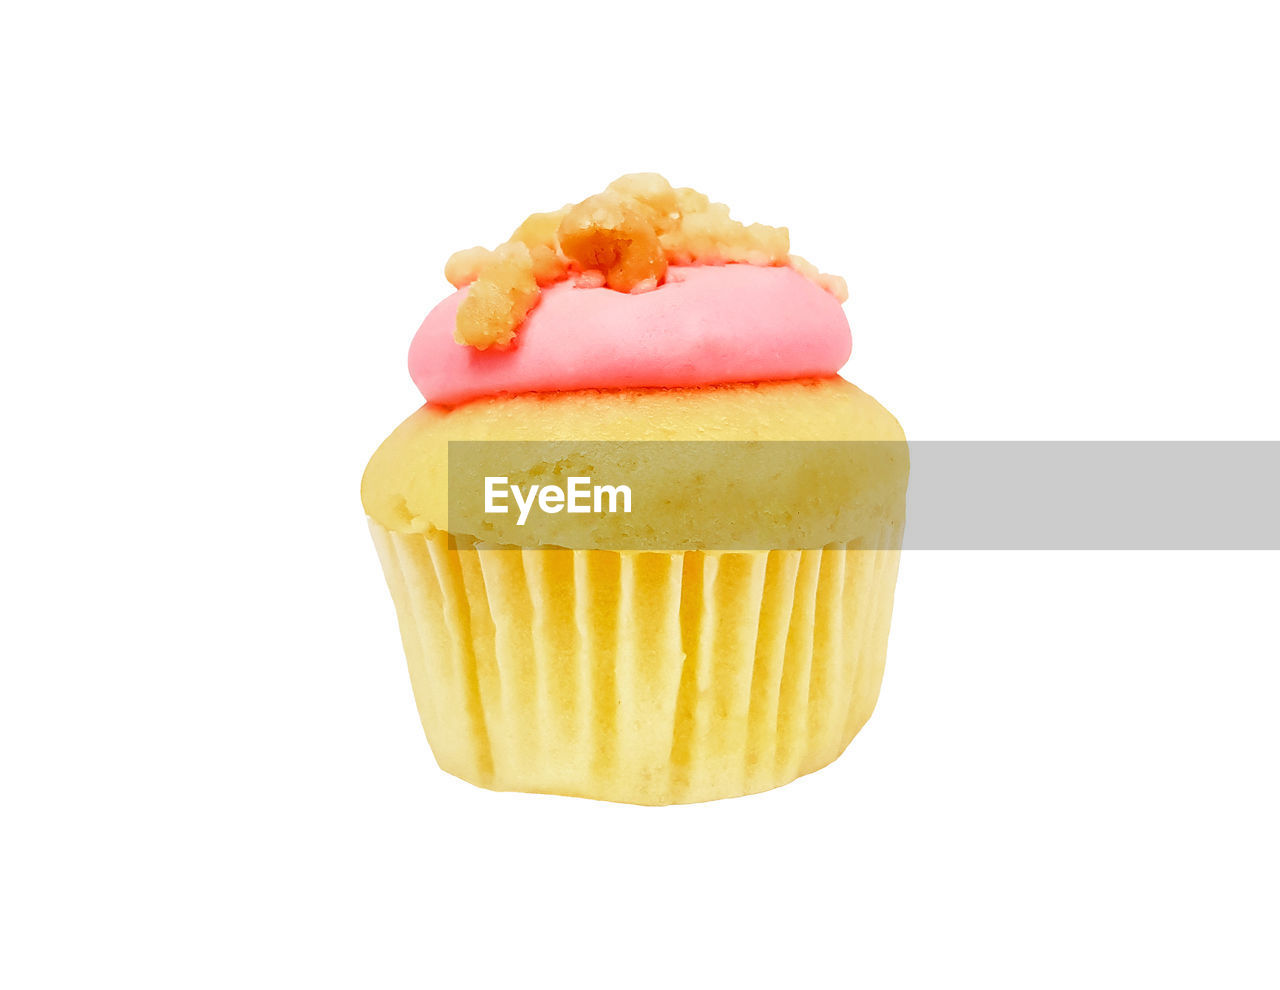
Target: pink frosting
[(703, 326)]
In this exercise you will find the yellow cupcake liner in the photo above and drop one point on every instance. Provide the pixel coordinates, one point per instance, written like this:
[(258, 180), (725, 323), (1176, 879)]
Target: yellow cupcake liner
[(641, 677)]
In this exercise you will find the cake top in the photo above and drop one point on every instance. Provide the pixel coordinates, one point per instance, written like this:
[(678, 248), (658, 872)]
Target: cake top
[(626, 239)]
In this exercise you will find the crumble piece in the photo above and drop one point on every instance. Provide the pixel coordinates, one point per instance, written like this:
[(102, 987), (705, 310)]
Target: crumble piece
[(499, 300), (464, 266), (609, 233), (832, 283)]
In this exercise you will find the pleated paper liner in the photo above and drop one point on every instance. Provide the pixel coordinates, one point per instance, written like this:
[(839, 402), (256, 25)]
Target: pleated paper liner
[(649, 678)]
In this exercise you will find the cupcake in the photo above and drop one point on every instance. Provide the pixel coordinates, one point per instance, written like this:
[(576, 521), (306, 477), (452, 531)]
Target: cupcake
[(642, 539)]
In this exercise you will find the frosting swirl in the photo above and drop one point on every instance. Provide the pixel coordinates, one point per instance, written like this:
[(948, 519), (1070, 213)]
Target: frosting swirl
[(705, 325)]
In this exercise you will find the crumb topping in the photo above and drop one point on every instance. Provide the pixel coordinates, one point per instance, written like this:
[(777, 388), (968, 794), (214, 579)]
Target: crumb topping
[(623, 239), (502, 293)]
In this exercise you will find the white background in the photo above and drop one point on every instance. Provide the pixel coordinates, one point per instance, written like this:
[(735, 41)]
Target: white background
[(222, 224)]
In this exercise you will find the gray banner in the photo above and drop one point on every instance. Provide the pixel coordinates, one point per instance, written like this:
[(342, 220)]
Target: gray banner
[(1094, 495), (975, 495)]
